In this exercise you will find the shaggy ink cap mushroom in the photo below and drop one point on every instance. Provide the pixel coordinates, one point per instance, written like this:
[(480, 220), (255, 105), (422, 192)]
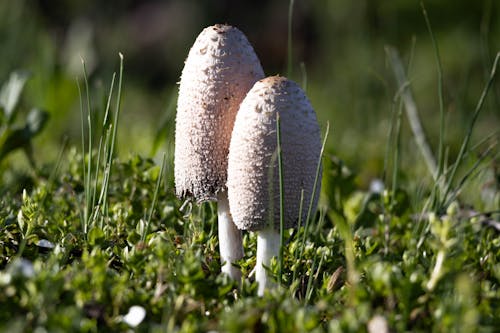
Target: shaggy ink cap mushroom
[(253, 176), (253, 189), (220, 69)]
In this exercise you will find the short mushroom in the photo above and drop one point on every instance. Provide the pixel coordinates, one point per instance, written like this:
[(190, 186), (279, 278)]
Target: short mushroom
[(253, 177), (220, 69)]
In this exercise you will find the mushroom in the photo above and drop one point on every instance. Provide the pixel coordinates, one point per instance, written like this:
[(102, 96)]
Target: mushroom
[(220, 69), (253, 177)]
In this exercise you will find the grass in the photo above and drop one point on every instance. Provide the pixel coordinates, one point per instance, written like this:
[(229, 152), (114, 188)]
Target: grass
[(95, 235), (282, 197)]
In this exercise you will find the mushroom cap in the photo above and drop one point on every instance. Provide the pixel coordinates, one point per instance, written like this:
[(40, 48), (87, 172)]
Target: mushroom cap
[(220, 69), (253, 177)]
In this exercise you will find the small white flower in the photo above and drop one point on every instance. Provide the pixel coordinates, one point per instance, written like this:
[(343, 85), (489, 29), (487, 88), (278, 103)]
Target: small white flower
[(135, 316), (377, 186), (45, 243), (378, 324)]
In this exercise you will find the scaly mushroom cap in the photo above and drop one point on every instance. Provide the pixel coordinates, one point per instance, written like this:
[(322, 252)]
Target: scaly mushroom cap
[(253, 163), (220, 69)]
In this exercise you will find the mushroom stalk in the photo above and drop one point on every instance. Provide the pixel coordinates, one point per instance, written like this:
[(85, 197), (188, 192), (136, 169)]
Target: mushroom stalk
[(230, 243), (268, 244)]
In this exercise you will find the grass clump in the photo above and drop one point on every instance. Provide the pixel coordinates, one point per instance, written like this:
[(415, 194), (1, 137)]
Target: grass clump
[(55, 278), (361, 258)]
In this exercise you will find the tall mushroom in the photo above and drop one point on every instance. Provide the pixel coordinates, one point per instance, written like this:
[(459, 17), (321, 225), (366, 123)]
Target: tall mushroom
[(220, 69), (253, 177)]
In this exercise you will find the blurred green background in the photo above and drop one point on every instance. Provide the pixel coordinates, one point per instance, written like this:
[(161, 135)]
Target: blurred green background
[(338, 54)]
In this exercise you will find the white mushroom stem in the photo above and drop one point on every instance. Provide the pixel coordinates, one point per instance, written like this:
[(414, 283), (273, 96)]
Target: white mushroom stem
[(230, 243), (268, 244)]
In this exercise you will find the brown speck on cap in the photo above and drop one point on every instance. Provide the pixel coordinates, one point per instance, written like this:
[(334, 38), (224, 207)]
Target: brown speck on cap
[(220, 69), (253, 179)]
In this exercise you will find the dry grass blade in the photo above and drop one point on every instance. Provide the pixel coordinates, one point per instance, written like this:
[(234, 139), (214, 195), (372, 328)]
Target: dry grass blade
[(411, 110), (336, 279)]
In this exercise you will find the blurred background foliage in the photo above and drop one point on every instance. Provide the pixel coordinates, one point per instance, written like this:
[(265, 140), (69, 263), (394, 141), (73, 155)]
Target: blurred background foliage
[(338, 55)]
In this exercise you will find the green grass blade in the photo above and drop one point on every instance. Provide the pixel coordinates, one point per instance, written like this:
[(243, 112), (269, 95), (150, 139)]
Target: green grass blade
[(108, 102), (88, 182), (388, 145), (83, 215), (468, 175), (304, 76), (440, 165), (95, 204), (311, 200), (118, 107), (289, 42), (108, 155), (318, 171), (397, 152), (299, 224), (155, 198), (465, 143), (282, 199), (110, 135)]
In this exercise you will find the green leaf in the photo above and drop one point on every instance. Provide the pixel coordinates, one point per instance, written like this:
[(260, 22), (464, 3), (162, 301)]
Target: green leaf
[(11, 91), (36, 121), (133, 237), (16, 138), (96, 235)]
